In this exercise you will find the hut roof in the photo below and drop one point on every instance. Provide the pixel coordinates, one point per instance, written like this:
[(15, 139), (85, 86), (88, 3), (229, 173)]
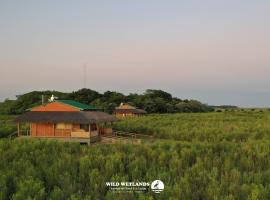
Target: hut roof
[(125, 106), (70, 103), (66, 117), (135, 111), (76, 104)]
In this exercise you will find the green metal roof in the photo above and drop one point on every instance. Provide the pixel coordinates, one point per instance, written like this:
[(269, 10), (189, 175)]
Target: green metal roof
[(75, 104)]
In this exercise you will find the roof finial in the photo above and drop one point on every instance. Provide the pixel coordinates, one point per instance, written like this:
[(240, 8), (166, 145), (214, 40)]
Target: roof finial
[(52, 98)]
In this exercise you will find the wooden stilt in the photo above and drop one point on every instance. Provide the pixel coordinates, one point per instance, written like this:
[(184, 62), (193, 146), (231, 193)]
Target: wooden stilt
[(53, 129), (89, 134), (30, 134), (18, 129)]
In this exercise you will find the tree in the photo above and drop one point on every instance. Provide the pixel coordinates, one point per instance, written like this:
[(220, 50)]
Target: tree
[(84, 95), (158, 94), (182, 107), (153, 101)]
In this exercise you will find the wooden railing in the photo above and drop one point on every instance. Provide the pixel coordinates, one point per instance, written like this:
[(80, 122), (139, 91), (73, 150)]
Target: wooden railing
[(24, 133), (94, 139), (13, 135), (130, 134)]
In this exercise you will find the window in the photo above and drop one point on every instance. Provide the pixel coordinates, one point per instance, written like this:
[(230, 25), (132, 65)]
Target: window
[(63, 126), (93, 127), (84, 127)]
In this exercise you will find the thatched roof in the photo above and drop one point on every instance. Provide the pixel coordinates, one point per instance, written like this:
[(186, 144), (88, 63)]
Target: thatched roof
[(126, 108), (66, 117), (135, 111)]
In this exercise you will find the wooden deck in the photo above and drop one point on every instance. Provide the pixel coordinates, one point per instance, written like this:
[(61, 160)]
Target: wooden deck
[(80, 140), (112, 138)]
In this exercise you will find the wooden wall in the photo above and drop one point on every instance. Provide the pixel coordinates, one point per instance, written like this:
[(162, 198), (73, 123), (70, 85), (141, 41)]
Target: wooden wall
[(48, 130), (42, 129), (105, 131), (119, 115), (75, 127)]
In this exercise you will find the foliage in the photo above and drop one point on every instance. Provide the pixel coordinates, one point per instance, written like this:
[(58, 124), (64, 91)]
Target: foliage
[(7, 125), (219, 155), (236, 126), (36, 169), (153, 101), (27, 101), (84, 95)]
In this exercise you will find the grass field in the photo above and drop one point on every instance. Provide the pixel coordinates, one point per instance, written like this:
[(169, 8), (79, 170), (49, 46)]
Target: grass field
[(203, 156), (33, 169), (234, 126)]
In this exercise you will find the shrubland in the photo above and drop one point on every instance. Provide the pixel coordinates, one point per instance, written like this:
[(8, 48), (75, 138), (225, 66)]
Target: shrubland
[(41, 169), (198, 156), (234, 126)]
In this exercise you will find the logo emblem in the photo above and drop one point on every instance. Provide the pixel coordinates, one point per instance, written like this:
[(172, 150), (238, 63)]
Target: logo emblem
[(157, 186)]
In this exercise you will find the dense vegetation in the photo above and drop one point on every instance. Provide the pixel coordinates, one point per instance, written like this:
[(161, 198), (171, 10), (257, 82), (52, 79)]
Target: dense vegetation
[(153, 101), (50, 170), (198, 156), (235, 126), (7, 125)]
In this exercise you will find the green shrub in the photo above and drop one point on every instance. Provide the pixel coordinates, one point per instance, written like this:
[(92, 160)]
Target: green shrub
[(40, 169)]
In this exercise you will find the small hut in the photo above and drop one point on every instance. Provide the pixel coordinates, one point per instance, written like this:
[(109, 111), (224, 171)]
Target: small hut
[(126, 110), (68, 120)]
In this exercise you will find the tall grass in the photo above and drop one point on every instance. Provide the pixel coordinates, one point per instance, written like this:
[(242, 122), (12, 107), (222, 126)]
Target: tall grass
[(232, 126)]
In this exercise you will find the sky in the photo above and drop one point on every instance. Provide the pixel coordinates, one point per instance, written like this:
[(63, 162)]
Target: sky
[(214, 51)]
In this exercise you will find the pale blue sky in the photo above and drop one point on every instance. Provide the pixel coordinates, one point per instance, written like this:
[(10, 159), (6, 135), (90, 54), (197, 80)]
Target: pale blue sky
[(215, 51)]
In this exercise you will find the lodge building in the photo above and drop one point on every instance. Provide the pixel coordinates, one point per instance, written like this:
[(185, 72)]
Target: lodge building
[(126, 110), (66, 119)]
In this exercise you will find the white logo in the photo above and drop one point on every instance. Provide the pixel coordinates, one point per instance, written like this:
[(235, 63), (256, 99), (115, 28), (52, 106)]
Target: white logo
[(157, 186)]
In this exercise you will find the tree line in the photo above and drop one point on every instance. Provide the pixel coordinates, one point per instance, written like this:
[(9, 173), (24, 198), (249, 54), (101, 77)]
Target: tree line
[(153, 101)]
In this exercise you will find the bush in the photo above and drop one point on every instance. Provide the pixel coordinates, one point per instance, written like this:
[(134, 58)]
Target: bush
[(216, 126), (40, 169)]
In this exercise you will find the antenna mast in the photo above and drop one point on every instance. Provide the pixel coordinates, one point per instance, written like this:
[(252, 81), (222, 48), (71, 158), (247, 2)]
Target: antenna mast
[(84, 75)]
